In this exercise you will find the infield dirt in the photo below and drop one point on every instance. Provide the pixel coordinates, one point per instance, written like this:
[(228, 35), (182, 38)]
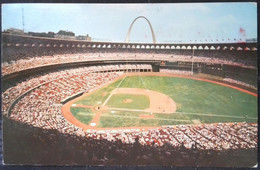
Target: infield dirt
[(68, 115), (159, 103)]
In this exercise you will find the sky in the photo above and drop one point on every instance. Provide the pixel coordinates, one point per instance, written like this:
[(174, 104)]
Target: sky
[(172, 22)]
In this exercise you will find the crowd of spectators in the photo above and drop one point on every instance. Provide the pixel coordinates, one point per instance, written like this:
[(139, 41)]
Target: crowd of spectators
[(40, 107), (205, 136), (54, 148), (40, 98), (13, 92), (222, 144), (21, 63), (67, 82)]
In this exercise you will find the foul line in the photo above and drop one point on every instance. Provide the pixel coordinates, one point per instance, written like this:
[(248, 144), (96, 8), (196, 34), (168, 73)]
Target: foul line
[(111, 93), (181, 120), (199, 114)]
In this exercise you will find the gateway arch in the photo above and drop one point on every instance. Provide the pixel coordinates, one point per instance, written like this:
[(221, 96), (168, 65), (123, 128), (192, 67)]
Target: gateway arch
[(130, 29)]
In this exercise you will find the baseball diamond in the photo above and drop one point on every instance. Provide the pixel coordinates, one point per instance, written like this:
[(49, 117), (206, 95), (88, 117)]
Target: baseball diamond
[(187, 97), (193, 103)]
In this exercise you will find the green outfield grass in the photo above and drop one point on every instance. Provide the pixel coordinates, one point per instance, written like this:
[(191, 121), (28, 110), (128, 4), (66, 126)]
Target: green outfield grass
[(196, 100), (138, 101)]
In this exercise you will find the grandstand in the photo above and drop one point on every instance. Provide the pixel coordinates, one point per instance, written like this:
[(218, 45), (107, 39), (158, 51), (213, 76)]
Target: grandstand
[(42, 75)]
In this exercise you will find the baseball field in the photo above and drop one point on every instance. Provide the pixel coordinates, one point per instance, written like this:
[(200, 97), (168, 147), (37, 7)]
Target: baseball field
[(151, 101)]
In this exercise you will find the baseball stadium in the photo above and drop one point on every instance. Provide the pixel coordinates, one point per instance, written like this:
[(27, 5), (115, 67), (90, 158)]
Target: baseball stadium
[(73, 102)]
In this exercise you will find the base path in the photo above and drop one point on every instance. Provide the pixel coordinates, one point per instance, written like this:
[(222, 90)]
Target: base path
[(68, 115), (159, 102)]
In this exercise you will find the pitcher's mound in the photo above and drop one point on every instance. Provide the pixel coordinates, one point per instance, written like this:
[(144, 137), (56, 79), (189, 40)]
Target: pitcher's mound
[(127, 100), (159, 102)]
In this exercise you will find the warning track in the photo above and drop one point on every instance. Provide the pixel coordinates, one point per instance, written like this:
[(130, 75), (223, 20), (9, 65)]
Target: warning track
[(68, 115)]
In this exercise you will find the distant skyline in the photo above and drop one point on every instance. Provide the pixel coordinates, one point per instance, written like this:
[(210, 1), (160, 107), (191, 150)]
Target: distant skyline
[(180, 22)]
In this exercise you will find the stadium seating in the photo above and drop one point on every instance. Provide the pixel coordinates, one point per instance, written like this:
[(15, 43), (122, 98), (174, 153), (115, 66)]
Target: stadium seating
[(36, 101)]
